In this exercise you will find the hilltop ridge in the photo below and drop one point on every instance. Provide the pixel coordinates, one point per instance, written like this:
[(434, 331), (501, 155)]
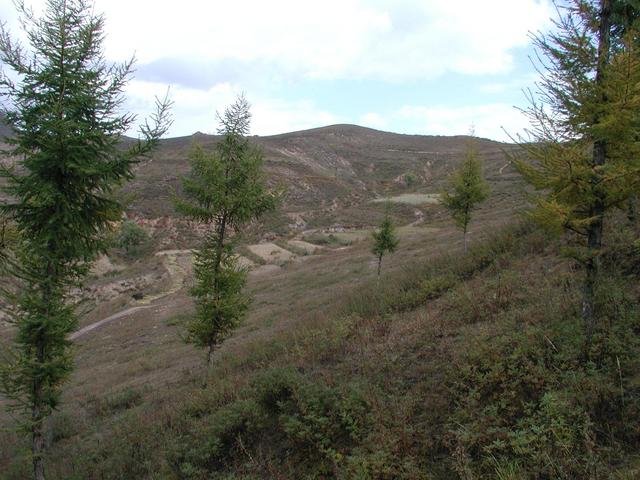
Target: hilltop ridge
[(328, 169)]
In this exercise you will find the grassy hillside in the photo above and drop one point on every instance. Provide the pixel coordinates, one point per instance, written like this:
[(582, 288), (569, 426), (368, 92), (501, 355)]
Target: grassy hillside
[(331, 174), (332, 177), (454, 365), (461, 366)]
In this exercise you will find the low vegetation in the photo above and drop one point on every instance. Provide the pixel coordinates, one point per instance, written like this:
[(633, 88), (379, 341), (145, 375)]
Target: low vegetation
[(471, 366), (517, 358), (131, 237)]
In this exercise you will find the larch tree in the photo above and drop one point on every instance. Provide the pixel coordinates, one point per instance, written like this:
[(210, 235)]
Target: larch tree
[(465, 189), (583, 150), (63, 105), (225, 190), (384, 240)]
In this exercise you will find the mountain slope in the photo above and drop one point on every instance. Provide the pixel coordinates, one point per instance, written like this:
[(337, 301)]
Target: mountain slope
[(330, 171)]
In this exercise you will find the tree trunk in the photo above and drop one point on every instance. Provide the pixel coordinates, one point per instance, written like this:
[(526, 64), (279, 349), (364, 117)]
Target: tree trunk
[(464, 237), (221, 230), (209, 354), (205, 375), (632, 210), (37, 435), (594, 231), (37, 442), (594, 244)]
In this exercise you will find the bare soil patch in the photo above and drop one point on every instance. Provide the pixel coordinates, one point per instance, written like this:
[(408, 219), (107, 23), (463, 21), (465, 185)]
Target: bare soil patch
[(272, 253)]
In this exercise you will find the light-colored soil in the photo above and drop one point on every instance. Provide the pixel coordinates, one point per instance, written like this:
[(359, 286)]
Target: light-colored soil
[(308, 248), (104, 321), (103, 266), (244, 262), (272, 253), (179, 268), (412, 199), (178, 264)]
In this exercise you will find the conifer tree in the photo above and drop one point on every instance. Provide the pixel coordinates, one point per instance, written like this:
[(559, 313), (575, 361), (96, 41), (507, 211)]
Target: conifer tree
[(225, 189), (384, 240), (465, 190), (583, 154), (63, 109)]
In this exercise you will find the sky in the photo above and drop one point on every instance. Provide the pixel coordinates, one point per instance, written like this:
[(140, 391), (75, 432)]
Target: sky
[(433, 67)]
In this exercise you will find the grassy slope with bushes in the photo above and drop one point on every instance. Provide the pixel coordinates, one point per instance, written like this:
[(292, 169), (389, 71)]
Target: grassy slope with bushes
[(470, 367)]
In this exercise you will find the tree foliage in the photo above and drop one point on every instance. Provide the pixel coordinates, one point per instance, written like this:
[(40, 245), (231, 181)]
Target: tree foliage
[(64, 111), (465, 190), (225, 189), (384, 240), (131, 235), (584, 155)]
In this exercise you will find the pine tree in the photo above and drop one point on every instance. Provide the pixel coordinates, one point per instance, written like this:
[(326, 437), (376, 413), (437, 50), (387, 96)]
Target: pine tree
[(384, 240), (63, 109), (465, 190), (225, 189), (584, 155)]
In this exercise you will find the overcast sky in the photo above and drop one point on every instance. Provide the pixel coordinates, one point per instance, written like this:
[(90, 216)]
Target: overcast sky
[(409, 66)]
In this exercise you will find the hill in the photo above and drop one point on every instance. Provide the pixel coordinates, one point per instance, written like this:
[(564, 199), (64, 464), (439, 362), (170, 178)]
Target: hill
[(319, 326), (332, 174), (456, 366)]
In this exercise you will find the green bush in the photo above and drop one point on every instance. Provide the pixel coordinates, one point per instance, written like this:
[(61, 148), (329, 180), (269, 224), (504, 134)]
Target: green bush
[(62, 426), (214, 441), (383, 465), (329, 240), (428, 289), (114, 402), (533, 400), (410, 179), (284, 416), (131, 236)]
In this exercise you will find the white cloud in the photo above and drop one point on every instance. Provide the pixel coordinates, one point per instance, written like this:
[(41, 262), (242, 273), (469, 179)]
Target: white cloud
[(518, 83), (384, 39), (271, 116), (373, 120), (489, 121), (254, 44), (197, 109)]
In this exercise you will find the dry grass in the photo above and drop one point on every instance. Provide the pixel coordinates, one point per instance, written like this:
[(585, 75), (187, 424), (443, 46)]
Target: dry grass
[(137, 371), (412, 199)]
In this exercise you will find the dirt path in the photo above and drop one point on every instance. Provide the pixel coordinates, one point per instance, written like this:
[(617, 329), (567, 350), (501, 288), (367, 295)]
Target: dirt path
[(177, 273), (115, 316)]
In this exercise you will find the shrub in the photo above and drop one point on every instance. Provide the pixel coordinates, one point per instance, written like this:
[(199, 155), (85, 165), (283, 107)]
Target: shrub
[(283, 414), (428, 289), (131, 236), (410, 179), (536, 400), (62, 426)]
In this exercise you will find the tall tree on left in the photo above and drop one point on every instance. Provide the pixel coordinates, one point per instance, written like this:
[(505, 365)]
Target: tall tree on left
[(63, 102)]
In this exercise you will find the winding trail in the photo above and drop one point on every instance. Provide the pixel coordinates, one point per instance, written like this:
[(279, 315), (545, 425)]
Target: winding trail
[(111, 318), (177, 274)]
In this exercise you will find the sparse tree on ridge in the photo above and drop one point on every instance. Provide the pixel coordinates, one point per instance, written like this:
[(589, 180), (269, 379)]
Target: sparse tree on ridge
[(384, 240), (583, 154), (466, 188), (63, 109), (225, 189)]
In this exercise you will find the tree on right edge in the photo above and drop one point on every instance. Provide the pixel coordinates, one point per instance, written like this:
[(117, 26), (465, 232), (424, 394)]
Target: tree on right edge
[(583, 154), (465, 190)]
